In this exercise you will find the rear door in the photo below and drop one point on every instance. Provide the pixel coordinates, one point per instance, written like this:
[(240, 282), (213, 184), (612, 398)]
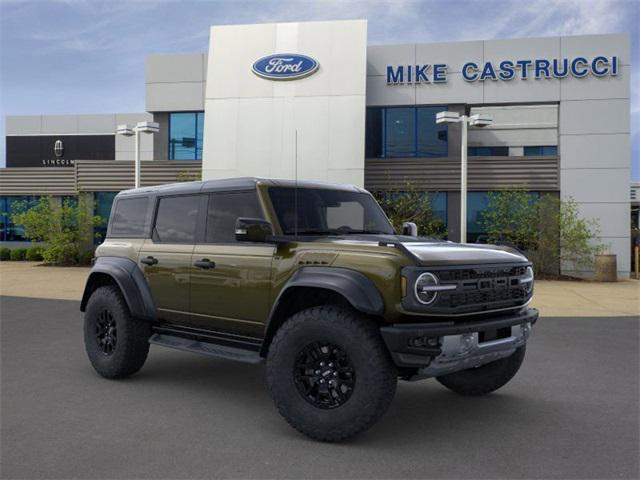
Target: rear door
[(231, 292), (166, 257)]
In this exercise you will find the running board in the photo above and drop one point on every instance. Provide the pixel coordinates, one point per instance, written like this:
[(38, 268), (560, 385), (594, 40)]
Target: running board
[(206, 348)]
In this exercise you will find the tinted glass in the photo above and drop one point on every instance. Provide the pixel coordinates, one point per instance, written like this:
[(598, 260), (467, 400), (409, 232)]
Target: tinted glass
[(400, 138), (374, 133), (328, 212), (103, 201), (10, 205), (539, 151), (432, 137), (129, 217), (185, 135), (488, 151), (225, 209), (176, 219)]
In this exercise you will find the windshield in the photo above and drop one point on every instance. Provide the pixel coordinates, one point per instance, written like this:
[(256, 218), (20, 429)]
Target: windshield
[(327, 212)]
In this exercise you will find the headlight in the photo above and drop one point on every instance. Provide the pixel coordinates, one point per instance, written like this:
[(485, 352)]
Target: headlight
[(527, 280), (426, 288)]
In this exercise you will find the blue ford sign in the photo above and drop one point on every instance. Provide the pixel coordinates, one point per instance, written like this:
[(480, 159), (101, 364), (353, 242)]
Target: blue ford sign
[(285, 66)]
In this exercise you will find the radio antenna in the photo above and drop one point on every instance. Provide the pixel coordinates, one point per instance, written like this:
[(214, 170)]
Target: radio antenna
[(295, 189)]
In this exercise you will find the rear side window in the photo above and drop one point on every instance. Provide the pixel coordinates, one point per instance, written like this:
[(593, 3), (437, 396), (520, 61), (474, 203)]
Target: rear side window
[(176, 219), (225, 209), (128, 218)]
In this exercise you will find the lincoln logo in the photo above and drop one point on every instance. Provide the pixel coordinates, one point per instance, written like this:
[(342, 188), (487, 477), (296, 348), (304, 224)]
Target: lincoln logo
[(58, 148), (285, 66)]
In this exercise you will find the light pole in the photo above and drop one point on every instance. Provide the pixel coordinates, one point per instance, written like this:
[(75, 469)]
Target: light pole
[(128, 131), (477, 120)]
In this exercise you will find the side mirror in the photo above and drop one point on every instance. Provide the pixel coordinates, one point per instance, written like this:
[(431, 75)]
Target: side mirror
[(252, 230), (410, 229)]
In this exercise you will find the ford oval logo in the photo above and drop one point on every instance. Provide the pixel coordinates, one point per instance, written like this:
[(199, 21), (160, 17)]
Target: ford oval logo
[(285, 66)]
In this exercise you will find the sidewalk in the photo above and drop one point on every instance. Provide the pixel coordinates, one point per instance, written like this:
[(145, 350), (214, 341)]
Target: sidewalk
[(552, 298)]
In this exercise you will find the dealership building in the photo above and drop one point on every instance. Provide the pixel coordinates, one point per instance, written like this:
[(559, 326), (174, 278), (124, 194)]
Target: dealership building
[(312, 100)]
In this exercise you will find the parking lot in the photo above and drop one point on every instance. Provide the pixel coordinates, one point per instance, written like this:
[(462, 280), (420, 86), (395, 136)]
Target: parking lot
[(571, 412)]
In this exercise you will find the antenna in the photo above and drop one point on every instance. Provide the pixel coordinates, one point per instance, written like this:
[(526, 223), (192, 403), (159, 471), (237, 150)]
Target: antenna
[(295, 189)]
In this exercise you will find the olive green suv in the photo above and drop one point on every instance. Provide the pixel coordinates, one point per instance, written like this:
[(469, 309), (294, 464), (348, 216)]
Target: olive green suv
[(310, 279)]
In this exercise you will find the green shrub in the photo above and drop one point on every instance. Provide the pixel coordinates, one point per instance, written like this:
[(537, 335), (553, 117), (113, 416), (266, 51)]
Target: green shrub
[(66, 229), (34, 254), (18, 254), (86, 257), (5, 253), (548, 228)]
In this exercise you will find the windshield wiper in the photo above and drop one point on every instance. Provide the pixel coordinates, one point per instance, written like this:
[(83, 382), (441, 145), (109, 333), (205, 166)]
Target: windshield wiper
[(365, 232)]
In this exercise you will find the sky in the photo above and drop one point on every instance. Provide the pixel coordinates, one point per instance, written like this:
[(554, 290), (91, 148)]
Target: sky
[(87, 56)]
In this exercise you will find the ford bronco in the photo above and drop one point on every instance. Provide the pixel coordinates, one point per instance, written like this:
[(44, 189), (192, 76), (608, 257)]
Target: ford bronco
[(310, 279)]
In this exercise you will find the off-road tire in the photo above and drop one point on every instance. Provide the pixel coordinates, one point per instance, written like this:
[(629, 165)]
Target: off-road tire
[(132, 335), (484, 379), (375, 375)]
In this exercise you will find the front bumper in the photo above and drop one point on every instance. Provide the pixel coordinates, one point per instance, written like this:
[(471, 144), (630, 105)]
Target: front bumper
[(436, 349)]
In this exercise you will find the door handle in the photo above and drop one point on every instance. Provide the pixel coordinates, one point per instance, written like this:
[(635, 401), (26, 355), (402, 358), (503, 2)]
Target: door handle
[(204, 263), (149, 260)]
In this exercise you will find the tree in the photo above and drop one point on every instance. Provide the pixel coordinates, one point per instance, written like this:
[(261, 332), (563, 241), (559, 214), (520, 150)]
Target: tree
[(549, 229), (407, 204), (66, 228)]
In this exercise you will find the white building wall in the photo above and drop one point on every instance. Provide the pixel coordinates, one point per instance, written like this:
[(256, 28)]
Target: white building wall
[(250, 122)]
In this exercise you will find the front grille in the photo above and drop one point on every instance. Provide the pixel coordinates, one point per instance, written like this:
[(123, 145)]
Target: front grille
[(483, 288), (480, 288)]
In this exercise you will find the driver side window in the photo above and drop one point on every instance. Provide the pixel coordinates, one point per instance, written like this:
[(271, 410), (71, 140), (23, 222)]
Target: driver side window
[(224, 209)]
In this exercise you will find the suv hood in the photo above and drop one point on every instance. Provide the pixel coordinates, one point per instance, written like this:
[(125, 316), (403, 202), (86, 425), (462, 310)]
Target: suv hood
[(446, 253), (437, 252)]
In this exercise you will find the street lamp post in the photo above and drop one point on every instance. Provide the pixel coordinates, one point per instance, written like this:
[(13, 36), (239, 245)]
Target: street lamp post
[(477, 120), (128, 131)]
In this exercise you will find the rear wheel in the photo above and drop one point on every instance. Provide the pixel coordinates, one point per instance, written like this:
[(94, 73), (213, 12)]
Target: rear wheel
[(116, 343), (329, 373), (484, 379)]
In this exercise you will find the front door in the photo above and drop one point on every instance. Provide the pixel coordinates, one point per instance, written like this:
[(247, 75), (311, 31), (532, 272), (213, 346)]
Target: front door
[(166, 257), (230, 281)]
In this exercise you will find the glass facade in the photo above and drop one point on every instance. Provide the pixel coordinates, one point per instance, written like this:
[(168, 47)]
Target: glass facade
[(488, 151), (9, 232), (541, 151), (477, 203), (185, 135), (103, 201), (393, 132)]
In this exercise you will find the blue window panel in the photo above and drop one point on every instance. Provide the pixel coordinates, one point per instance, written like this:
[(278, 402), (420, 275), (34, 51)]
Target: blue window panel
[(185, 135), (541, 151), (400, 138), (431, 137), (103, 201), (10, 232), (439, 206), (488, 151)]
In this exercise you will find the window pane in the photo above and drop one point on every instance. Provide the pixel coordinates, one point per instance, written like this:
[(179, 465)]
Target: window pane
[(374, 132), (225, 209), (182, 136), (532, 151), (199, 134), (327, 211), (103, 203), (551, 150), (477, 202), (439, 205), (400, 132), (176, 219), (432, 137), (129, 217)]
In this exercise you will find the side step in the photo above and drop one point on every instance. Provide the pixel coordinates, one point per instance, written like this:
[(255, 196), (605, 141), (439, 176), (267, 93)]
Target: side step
[(206, 348)]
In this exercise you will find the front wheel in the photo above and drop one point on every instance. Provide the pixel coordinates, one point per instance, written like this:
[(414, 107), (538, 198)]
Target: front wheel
[(484, 379), (329, 373)]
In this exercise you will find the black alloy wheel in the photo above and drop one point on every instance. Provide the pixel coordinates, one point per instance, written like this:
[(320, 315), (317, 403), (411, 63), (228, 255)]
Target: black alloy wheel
[(324, 375), (106, 332)]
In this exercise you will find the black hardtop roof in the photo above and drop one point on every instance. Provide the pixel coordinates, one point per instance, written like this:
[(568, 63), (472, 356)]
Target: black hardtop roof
[(238, 183)]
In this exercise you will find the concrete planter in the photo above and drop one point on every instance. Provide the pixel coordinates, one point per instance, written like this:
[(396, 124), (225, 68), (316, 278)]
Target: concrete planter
[(606, 268)]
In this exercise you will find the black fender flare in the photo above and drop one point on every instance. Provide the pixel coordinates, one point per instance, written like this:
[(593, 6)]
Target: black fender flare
[(354, 286), (130, 279)]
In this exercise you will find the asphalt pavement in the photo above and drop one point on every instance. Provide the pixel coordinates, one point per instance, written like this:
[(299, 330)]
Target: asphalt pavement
[(571, 412)]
